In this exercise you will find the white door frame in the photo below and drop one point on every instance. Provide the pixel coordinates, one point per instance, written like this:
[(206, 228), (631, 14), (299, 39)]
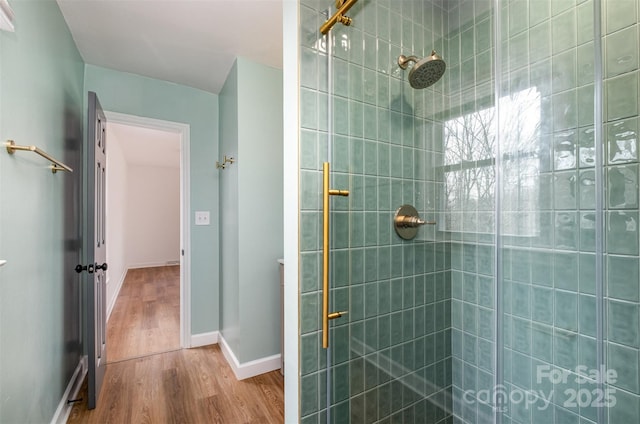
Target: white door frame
[(291, 108), (183, 130)]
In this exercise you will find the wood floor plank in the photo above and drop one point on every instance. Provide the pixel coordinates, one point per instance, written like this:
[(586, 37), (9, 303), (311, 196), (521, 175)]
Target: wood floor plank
[(211, 407), (146, 316), (184, 386)]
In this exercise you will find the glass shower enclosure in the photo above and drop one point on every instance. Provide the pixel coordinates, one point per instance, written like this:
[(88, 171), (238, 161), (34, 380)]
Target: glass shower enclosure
[(521, 304)]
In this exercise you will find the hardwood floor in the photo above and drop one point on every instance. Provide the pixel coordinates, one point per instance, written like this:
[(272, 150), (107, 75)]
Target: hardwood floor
[(189, 386), (146, 316), (185, 386)]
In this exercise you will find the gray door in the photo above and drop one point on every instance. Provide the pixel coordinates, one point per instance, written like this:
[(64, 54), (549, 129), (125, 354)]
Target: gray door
[(96, 250)]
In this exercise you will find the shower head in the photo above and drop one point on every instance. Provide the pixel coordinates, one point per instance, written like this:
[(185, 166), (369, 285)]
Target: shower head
[(426, 71)]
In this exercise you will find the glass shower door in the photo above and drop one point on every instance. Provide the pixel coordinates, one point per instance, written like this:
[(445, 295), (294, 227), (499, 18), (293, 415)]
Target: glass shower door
[(389, 357)]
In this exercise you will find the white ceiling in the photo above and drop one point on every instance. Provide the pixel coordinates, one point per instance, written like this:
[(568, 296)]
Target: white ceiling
[(145, 146), (189, 42)]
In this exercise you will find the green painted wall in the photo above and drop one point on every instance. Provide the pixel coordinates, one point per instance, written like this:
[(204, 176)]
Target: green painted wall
[(252, 224), (135, 95), (229, 269), (260, 206), (41, 99)]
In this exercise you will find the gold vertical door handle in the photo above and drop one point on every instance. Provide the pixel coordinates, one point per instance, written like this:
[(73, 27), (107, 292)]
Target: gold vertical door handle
[(326, 192)]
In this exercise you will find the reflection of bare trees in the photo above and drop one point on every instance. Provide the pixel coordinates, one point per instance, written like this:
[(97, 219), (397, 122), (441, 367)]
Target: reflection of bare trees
[(469, 171), (469, 139)]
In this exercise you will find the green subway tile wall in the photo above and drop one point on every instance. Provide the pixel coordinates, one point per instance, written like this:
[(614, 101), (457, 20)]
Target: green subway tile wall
[(421, 339), (548, 214)]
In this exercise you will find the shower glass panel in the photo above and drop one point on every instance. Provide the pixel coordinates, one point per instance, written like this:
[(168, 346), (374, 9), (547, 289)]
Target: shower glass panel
[(568, 317), (549, 221), (549, 231), (469, 185), (390, 355)]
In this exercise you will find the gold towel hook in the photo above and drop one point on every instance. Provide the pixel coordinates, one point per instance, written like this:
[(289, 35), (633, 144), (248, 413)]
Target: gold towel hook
[(225, 161)]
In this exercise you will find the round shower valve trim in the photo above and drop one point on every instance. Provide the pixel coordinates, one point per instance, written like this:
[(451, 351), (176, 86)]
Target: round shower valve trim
[(407, 220)]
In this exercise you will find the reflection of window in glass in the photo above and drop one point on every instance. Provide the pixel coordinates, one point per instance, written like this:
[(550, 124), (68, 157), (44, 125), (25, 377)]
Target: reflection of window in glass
[(469, 169)]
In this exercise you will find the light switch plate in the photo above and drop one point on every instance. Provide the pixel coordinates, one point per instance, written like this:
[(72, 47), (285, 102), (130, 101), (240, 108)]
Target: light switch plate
[(202, 217)]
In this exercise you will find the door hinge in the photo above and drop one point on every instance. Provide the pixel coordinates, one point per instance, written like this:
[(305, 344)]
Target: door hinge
[(182, 252)]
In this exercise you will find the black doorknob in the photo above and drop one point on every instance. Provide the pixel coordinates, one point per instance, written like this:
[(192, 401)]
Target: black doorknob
[(102, 267), (89, 268)]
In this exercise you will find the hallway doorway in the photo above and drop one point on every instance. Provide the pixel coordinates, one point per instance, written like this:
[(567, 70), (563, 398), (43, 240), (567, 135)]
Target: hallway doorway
[(146, 282)]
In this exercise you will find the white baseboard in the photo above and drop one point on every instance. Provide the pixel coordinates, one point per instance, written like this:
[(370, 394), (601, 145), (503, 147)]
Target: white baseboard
[(251, 368), (116, 293), (204, 339), (64, 407), (155, 264)]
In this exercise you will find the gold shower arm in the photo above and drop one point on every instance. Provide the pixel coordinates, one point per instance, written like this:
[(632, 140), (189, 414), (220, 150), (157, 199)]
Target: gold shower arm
[(339, 15), (56, 165), (326, 192)]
